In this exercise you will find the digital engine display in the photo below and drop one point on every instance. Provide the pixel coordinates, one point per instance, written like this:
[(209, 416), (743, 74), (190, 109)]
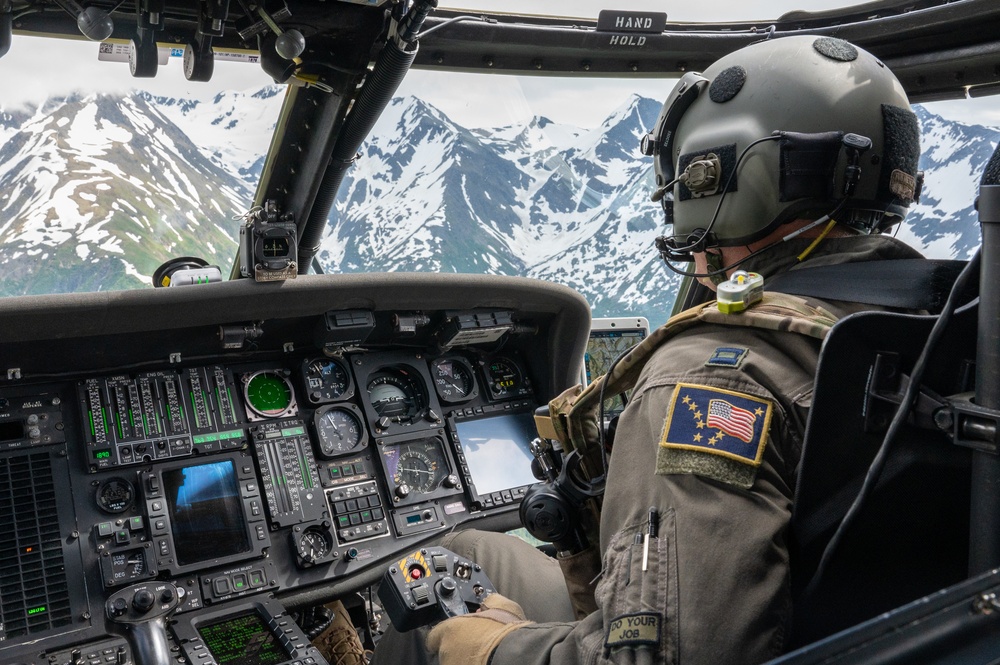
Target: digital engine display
[(242, 640), (206, 512), (497, 451)]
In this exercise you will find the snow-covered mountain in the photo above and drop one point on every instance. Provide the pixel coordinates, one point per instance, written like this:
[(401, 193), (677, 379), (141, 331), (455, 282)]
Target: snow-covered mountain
[(232, 128), (945, 223), (571, 205), (541, 200), (96, 191)]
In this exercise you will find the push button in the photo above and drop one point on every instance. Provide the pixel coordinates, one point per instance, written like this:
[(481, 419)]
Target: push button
[(257, 579), (221, 586)]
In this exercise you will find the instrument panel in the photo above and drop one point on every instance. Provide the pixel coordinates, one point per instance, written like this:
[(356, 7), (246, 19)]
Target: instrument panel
[(288, 473)]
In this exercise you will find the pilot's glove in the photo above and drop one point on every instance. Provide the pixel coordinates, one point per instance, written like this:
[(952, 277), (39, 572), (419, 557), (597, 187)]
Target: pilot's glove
[(471, 638)]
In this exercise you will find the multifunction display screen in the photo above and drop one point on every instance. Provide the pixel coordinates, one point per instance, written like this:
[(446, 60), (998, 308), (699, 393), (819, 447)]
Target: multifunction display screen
[(206, 512), (242, 640), (497, 451)]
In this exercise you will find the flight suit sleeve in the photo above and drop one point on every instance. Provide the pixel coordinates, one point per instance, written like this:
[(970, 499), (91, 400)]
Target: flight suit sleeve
[(632, 614), (714, 586)]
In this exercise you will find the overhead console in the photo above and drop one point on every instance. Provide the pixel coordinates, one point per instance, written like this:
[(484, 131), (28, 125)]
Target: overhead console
[(211, 455)]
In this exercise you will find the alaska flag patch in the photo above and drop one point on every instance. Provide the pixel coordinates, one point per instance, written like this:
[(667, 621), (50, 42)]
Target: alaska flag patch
[(713, 432)]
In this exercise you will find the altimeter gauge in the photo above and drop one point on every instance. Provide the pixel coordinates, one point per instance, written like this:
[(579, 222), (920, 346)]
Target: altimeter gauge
[(327, 380)]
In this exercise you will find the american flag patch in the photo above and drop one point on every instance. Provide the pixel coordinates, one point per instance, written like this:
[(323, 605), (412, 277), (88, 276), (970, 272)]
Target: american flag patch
[(717, 421)]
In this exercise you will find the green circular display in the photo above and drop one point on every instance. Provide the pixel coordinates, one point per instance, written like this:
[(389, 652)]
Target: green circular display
[(269, 393)]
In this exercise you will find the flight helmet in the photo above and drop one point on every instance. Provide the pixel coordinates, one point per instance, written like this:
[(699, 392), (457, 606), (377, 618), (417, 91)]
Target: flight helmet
[(792, 128)]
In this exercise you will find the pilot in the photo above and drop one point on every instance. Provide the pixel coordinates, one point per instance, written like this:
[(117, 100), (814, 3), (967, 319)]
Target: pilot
[(789, 153)]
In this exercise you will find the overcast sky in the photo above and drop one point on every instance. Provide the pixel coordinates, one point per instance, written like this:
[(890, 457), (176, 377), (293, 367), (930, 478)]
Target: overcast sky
[(35, 68)]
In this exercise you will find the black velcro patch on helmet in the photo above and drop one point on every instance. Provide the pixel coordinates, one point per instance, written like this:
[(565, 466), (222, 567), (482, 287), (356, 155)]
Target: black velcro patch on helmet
[(836, 49), (727, 157), (729, 82), (901, 154), (807, 163)]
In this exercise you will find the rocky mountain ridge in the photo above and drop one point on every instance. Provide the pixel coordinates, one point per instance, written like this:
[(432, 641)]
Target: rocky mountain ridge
[(96, 191)]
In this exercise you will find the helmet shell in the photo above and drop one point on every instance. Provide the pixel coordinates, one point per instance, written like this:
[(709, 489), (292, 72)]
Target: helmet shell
[(806, 85)]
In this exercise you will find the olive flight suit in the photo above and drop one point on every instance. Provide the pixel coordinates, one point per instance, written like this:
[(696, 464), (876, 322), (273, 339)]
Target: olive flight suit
[(710, 441)]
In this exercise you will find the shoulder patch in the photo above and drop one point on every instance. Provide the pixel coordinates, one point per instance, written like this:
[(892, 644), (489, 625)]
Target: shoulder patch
[(727, 356), (715, 433), (633, 630)]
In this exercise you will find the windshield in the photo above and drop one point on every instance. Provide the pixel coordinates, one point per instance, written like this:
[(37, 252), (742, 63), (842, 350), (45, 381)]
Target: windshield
[(104, 177)]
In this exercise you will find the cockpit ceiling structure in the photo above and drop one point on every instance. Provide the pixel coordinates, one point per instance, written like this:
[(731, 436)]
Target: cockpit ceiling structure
[(938, 49)]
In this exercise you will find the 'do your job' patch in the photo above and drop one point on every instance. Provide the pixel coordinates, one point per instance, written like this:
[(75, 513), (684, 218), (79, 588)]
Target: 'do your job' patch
[(632, 630)]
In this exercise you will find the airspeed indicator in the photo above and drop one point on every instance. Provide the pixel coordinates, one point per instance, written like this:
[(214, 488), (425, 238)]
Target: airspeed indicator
[(453, 379)]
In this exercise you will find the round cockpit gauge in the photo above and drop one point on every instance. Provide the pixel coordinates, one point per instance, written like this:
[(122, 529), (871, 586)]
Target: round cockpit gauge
[(314, 544), (268, 394), (327, 380), (115, 495), (128, 566), (416, 467), (339, 430), (453, 379), (397, 393), (504, 378)]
